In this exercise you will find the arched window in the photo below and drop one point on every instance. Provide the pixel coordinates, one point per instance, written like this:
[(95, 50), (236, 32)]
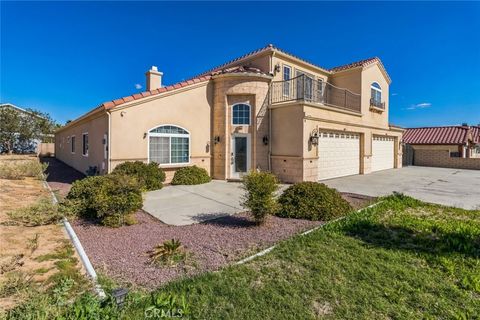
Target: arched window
[(169, 145), (241, 114), (376, 90)]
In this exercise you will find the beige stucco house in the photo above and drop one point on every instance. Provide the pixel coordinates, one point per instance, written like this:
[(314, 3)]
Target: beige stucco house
[(266, 110)]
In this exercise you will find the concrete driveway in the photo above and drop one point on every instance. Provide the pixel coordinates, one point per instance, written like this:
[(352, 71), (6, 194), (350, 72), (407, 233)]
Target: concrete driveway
[(451, 187), (184, 205)]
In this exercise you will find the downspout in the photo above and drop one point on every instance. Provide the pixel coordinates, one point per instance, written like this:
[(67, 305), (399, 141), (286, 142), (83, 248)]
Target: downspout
[(109, 144), (272, 70)]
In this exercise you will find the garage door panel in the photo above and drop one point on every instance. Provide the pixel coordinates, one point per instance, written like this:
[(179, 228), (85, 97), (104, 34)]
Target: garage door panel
[(339, 155), (383, 151)]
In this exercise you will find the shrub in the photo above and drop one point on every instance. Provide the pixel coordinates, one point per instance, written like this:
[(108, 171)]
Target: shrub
[(43, 212), (312, 201), (17, 170), (169, 252), (109, 198), (191, 175), (259, 195), (150, 176)]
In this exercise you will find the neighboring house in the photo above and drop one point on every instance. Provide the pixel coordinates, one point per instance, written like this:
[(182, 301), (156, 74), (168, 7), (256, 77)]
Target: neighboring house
[(33, 145), (449, 146), (266, 110)]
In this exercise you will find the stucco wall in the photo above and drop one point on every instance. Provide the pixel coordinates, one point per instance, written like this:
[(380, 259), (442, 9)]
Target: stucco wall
[(189, 108), (96, 126)]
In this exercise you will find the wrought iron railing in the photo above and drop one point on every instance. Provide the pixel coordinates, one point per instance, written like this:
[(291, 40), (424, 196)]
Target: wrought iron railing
[(377, 104), (317, 91)]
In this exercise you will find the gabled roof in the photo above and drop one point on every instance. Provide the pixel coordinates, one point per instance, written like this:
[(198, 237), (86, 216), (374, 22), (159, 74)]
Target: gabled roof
[(362, 64), (437, 135), (475, 134)]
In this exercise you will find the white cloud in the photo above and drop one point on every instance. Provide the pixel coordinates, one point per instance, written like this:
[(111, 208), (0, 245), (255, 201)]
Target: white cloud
[(422, 105), (138, 86)]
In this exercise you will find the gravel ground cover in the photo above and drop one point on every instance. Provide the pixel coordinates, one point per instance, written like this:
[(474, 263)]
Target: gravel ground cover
[(122, 252)]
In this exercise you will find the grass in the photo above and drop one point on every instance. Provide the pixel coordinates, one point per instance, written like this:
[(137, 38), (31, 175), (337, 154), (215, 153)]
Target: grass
[(402, 259)]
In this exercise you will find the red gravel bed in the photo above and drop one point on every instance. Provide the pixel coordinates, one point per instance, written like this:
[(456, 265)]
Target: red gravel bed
[(121, 252)]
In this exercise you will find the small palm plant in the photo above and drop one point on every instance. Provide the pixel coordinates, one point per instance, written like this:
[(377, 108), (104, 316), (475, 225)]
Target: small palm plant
[(170, 252)]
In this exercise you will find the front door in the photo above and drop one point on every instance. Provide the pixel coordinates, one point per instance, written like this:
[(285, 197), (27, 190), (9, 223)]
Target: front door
[(240, 156)]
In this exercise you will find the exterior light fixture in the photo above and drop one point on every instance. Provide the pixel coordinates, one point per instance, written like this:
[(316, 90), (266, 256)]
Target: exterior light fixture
[(277, 68), (265, 140), (119, 295), (216, 139), (314, 139)]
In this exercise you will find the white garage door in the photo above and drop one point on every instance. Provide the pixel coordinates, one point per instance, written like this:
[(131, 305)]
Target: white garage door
[(382, 153), (339, 155)]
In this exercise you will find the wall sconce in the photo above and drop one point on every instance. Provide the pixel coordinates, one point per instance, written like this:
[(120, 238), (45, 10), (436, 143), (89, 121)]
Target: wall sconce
[(216, 139), (314, 139), (265, 140), (144, 135), (277, 68), (123, 113)]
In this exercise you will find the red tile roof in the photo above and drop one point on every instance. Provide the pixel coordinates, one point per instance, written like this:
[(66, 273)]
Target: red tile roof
[(475, 134), (437, 135), (361, 63)]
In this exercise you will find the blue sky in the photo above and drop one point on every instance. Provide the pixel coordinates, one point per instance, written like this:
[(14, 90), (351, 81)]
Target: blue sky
[(66, 58)]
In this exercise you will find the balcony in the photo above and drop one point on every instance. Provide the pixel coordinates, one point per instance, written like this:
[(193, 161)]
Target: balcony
[(377, 105), (304, 88)]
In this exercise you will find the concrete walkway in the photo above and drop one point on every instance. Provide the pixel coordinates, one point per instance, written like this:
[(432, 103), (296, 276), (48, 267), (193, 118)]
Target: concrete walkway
[(184, 205), (451, 187)]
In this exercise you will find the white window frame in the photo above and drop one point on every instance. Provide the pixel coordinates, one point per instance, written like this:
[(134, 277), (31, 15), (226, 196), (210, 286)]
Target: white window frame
[(170, 135), (73, 144), (83, 144), (249, 114), (286, 84), (372, 87)]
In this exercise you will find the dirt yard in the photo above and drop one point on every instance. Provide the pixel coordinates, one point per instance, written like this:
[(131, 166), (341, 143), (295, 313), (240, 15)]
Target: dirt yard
[(28, 255)]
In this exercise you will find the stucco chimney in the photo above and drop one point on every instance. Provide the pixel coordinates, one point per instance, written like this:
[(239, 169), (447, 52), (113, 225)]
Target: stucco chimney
[(154, 78)]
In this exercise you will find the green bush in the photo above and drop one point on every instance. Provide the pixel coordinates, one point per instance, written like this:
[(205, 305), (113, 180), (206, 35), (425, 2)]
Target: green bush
[(110, 198), (150, 176), (312, 201), (259, 195), (191, 175)]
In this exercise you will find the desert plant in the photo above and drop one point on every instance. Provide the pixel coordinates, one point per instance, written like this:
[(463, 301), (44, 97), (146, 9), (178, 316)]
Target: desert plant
[(312, 201), (43, 212), (109, 198), (14, 282), (259, 195), (17, 170), (190, 175), (149, 176), (170, 252), (32, 243)]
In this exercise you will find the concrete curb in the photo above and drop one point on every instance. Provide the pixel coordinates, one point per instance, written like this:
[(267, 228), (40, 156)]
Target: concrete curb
[(264, 252), (78, 247)]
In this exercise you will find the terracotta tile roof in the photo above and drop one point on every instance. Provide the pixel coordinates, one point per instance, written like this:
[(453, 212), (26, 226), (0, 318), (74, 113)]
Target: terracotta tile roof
[(437, 135), (475, 134), (361, 63)]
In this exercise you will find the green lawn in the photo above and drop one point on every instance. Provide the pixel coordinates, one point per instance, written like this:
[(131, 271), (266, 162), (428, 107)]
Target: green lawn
[(402, 259)]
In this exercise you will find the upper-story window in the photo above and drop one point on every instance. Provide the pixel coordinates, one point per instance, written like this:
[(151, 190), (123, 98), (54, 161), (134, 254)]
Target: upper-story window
[(241, 114), (169, 145), (376, 93), (287, 71)]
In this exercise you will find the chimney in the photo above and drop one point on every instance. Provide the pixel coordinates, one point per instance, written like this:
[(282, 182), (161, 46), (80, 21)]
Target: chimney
[(154, 78)]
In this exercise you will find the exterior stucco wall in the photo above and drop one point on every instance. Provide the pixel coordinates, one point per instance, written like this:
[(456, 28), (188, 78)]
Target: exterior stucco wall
[(372, 74), (189, 109), (229, 90), (96, 126)]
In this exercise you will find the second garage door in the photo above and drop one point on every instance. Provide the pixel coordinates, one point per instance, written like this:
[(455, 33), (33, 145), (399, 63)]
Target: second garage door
[(382, 153), (338, 155)]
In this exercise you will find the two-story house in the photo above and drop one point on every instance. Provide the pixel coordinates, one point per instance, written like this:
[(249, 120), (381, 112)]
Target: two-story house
[(266, 110)]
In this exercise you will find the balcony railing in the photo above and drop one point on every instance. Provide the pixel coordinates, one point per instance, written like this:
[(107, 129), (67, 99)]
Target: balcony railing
[(316, 91), (377, 104)]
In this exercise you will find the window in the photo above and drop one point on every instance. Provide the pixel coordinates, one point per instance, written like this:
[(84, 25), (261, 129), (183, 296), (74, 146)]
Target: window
[(85, 144), (376, 96), (72, 144), (286, 84), (169, 145), (241, 114)]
